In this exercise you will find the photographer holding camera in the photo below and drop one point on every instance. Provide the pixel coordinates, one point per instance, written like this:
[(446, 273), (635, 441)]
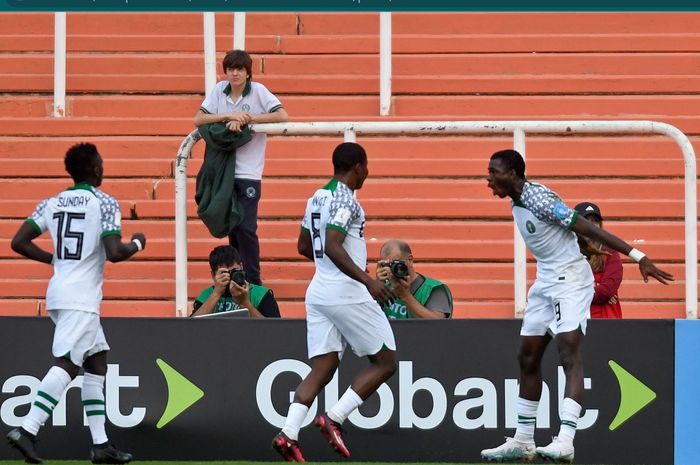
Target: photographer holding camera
[(231, 290), (419, 296)]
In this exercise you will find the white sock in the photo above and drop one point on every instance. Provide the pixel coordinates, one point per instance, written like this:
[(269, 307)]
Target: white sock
[(295, 417), (345, 406), (50, 392), (527, 416), (570, 412), (93, 397)]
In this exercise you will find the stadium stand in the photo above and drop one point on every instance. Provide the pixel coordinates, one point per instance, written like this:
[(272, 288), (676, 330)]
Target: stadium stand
[(135, 81)]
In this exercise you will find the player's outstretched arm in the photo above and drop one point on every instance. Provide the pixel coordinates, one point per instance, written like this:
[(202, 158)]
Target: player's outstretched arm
[(23, 244), (118, 251), (646, 265), (339, 256)]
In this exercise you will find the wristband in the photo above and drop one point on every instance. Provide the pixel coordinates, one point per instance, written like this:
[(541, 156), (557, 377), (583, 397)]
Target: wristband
[(636, 255), (138, 243)]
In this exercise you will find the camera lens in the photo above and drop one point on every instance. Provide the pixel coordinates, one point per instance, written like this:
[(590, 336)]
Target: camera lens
[(398, 268), (237, 276)]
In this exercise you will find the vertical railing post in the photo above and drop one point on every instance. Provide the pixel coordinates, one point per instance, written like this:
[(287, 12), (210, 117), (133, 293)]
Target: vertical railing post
[(239, 31), (519, 253), (59, 66), (209, 51), (384, 64)]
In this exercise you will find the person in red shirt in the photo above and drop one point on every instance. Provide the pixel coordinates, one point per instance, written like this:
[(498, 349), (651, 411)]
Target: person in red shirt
[(607, 269)]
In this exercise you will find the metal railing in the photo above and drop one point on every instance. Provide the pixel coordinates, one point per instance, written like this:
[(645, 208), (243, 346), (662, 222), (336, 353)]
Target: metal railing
[(519, 129)]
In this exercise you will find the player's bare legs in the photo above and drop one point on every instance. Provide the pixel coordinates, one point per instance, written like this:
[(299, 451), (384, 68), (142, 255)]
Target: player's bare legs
[(522, 445), (562, 447), (322, 369)]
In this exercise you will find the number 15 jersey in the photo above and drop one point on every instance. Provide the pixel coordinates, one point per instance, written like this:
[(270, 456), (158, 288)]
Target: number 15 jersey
[(335, 207), (77, 219)]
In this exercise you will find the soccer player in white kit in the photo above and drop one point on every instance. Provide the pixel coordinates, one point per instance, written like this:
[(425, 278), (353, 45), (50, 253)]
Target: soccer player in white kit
[(558, 302), (85, 228), (341, 304)]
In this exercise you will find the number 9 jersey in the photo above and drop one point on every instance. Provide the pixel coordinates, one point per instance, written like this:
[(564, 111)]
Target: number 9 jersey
[(334, 206), (77, 219)]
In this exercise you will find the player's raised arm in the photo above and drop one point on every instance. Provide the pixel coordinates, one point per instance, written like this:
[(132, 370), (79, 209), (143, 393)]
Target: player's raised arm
[(118, 251), (23, 244), (646, 265)]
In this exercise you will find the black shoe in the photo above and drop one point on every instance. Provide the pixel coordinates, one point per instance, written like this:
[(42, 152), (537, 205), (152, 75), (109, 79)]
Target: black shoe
[(25, 444), (109, 454)]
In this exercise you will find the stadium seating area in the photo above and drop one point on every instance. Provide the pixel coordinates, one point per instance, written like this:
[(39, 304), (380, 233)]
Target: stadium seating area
[(134, 82)]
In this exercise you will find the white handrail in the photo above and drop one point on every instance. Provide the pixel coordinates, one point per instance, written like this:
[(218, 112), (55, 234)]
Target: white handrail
[(239, 31), (209, 25), (384, 63), (59, 66), (345, 129)]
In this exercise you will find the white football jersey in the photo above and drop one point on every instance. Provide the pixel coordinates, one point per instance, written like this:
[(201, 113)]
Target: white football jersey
[(335, 206), (546, 223), (77, 219)]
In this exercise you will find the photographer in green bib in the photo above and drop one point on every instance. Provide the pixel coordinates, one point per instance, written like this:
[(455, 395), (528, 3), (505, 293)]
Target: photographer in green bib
[(418, 296), (231, 289)]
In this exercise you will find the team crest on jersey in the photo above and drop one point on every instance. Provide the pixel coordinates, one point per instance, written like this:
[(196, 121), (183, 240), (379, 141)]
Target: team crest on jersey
[(245, 107), (342, 216), (250, 192), (561, 211), (530, 227)]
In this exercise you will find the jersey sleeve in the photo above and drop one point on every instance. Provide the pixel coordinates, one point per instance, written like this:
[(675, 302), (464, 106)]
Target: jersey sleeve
[(305, 223), (209, 104), (37, 218), (268, 100), (111, 216), (343, 210), (548, 207)]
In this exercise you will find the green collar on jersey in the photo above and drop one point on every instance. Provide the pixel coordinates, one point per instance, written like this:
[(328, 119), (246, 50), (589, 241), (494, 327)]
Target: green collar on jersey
[(246, 89), (332, 185), (83, 186)]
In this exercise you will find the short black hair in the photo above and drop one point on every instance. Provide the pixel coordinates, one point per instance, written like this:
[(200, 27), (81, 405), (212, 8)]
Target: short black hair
[(80, 161), (238, 59), (223, 255), (347, 155), (512, 159)]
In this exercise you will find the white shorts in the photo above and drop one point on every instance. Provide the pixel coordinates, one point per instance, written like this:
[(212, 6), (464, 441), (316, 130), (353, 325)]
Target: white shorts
[(77, 336), (557, 307), (363, 325)]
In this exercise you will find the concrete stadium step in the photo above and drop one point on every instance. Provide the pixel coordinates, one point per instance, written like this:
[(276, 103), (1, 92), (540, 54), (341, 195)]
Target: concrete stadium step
[(20, 307), (37, 189), (54, 167), (321, 148)]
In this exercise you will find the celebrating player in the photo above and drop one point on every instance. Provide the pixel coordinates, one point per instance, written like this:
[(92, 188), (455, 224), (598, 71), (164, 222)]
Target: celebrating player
[(558, 302), (85, 227), (341, 304)]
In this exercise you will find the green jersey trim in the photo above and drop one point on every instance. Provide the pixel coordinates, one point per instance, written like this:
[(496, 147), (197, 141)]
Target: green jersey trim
[(332, 185), (116, 232), (36, 226), (332, 226), (574, 217), (304, 229), (82, 186)]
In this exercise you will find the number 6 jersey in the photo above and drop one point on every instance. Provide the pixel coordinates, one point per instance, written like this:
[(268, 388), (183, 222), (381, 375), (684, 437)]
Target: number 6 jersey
[(335, 207), (77, 219)]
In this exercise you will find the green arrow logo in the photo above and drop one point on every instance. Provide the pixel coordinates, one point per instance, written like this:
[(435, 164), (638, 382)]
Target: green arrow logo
[(182, 393), (634, 395)]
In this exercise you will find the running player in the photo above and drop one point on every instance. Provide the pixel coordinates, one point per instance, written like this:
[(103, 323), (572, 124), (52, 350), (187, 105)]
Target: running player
[(558, 302), (85, 227), (341, 304)]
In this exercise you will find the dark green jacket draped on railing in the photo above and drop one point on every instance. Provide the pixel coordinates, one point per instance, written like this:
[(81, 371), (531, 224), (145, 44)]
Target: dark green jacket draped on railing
[(215, 195)]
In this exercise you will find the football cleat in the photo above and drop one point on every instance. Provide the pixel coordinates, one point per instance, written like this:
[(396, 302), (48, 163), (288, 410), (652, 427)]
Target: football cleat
[(109, 454), (333, 433), (287, 448), (510, 451), (557, 451), (25, 444)]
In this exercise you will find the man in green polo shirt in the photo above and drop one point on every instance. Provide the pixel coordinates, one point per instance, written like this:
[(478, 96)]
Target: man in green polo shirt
[(226, 294), (419, 296)]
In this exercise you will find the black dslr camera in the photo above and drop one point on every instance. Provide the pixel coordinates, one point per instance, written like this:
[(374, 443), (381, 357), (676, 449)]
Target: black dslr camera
[(237, 276), (398, 268)]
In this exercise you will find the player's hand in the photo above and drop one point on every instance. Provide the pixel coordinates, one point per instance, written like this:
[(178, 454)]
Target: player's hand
[(647, 268), (380, 292), (141, 238), (221, 281)]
